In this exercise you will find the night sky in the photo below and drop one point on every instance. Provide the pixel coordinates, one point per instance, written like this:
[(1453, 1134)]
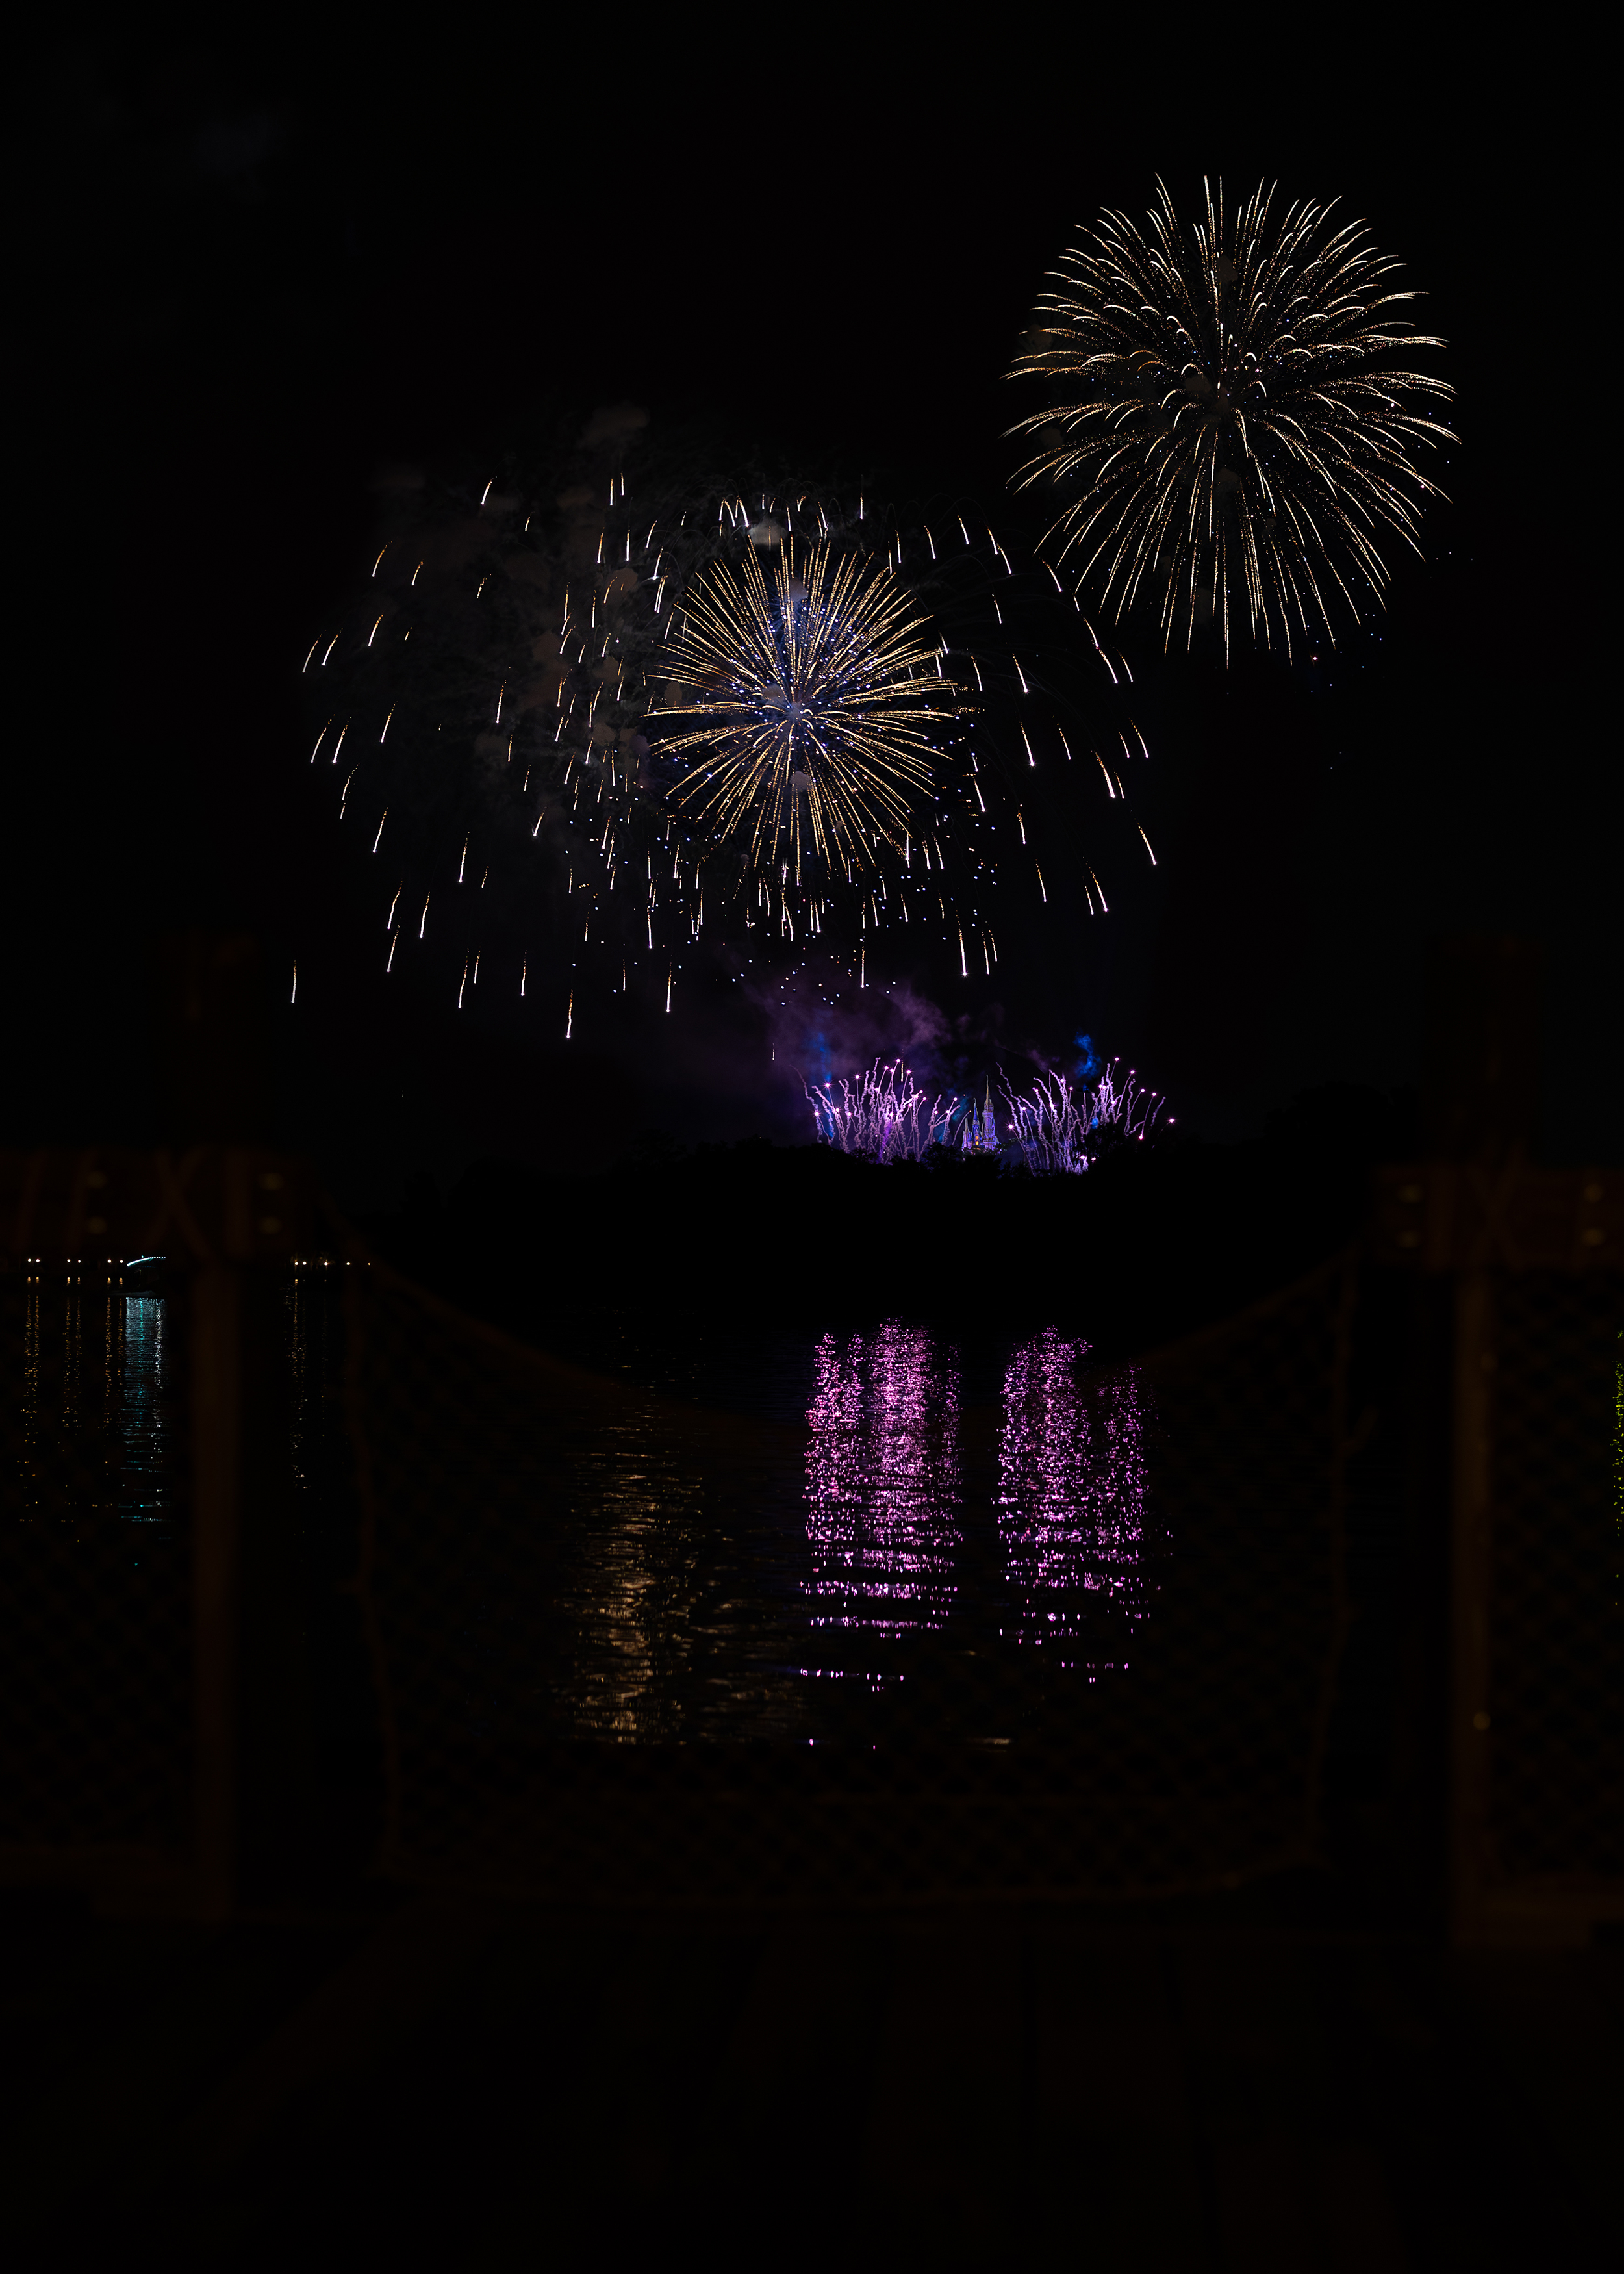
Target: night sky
[(260, 278)]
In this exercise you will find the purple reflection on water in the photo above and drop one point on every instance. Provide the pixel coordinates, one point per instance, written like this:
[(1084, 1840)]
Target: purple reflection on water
[(882, 1482), (1072, 1500)]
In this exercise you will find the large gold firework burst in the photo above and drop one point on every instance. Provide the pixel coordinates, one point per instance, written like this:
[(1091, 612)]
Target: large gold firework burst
[(1232, 409), (801, 700)]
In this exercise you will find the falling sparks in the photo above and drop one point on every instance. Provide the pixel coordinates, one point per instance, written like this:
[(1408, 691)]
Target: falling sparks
[(749, 729)]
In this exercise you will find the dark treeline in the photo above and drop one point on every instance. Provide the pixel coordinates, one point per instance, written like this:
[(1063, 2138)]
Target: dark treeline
[(1155, 1240)]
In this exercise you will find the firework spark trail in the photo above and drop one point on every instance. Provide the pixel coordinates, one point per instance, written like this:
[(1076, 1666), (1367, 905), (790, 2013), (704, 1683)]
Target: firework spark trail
[(1056, 1128), (881, 1112), (1231, 407)]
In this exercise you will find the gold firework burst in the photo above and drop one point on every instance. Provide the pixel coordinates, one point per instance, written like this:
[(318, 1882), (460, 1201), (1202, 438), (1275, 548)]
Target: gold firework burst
[(801, 701), (1232, 407)]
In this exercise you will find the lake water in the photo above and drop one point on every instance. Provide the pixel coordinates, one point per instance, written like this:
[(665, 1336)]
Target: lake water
[(94, 1370), (922, 1441), (889, 1481), (973, 1486)]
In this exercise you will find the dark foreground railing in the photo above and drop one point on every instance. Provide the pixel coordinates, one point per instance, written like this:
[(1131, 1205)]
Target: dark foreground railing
[(161, 1590), (982, 1771), (1533, 1262)]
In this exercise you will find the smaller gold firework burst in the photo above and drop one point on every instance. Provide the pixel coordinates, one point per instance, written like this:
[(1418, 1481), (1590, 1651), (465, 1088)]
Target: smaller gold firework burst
[(1234, 412), (800, 701)]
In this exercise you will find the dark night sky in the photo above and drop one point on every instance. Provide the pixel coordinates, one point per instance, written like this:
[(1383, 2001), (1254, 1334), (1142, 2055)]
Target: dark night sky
[(255, 279)]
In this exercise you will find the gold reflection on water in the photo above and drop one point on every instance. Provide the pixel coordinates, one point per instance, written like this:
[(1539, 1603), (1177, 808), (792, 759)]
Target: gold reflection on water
[(634, 1601)]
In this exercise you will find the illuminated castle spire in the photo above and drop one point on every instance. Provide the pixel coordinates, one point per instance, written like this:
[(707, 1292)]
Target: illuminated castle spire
[(981, 1127)]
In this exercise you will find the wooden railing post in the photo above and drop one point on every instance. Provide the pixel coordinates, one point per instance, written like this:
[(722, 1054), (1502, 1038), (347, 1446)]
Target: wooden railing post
[(1481, 1110), (217, 1450), (225, 1220), (1471, 1566)]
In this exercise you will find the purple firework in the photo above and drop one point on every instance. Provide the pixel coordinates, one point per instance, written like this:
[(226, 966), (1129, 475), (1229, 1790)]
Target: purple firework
[(1056, 1128)]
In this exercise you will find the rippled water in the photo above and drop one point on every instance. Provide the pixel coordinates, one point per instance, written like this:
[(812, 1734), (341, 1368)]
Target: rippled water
[(884, 1484), (94, 1365), (967, 1487), (892, 1486), (952, 1494), (1072, 1492)]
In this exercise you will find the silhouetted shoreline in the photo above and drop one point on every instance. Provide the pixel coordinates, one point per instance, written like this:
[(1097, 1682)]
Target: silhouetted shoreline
[(1154, 1241)]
